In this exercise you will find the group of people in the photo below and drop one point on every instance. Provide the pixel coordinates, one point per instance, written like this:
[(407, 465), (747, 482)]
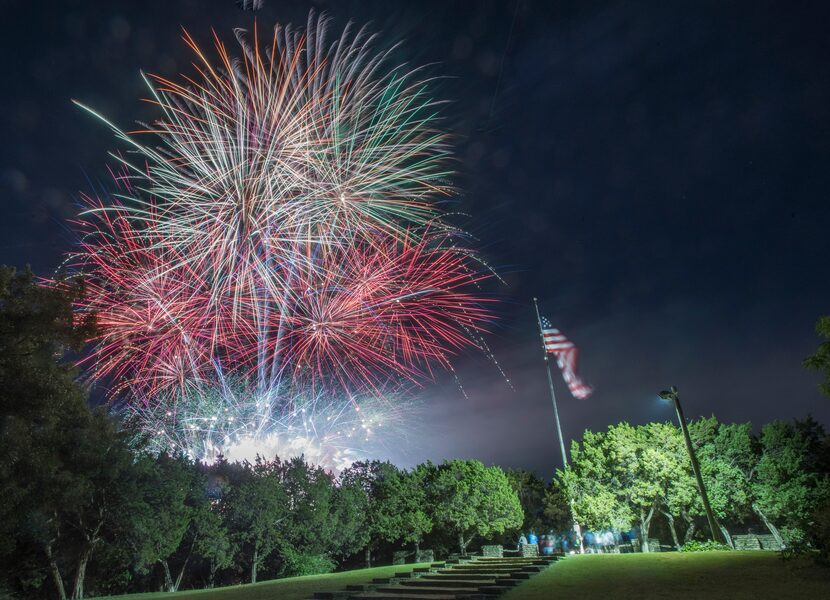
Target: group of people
[(595, 542)]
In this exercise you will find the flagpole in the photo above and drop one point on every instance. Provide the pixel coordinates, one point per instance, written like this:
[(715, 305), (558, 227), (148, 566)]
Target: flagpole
[(550, 385), (576, 527)]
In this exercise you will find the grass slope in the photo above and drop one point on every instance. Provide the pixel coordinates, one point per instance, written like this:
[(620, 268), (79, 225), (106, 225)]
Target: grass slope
[(677, 575), (295, 588)]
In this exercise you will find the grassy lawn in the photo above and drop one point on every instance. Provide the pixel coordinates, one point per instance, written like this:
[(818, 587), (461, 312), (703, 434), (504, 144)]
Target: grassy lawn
[(672, 575), (677, 575), (296, 588)]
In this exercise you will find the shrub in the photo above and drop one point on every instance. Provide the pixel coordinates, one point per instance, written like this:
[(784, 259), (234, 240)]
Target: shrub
[(707, 546), (296, 564), (821, 533), (794, 536), (816, 543), (796, 549)]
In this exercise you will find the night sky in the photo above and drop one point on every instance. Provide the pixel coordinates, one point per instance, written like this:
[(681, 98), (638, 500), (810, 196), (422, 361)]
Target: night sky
[(656, 173)]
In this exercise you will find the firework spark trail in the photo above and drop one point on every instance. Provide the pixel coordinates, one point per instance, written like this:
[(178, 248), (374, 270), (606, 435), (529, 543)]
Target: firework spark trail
[(283, 229), (390, 307), (230, 423)]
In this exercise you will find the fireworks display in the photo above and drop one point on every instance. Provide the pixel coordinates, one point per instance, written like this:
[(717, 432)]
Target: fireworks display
[(228, 422), (283, 230)]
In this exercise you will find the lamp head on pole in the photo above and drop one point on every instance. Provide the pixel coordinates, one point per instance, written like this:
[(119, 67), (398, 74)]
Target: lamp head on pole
[(670, 394)]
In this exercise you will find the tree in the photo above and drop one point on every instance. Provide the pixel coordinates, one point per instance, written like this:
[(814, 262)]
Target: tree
[(728, 456), (396, 503), (531, 491), (667, 462), (350, 508), (212, 538), (411, 507), (789, 486), (556, 508), (470, 499), (546, 507), (309, 533), (38, 399), (820, 361), (376, 479), (256, 505), (86, 499), (779, 476), (629, 474), (172, 487), (639, 478), (590, 480), (614, 480), (68, 474)]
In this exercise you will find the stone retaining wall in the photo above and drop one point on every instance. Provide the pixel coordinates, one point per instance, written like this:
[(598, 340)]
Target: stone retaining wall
[(401, 557), (755, 542), (496, 551)]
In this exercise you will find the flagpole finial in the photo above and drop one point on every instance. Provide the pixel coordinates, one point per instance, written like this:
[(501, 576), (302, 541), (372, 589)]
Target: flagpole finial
[(534, 298)]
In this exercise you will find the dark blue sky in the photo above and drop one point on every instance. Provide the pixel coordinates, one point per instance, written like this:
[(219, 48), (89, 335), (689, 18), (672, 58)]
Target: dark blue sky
[(655, 173)]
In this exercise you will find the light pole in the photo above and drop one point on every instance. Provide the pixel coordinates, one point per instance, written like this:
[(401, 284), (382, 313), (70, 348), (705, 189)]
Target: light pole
[(672, 395)]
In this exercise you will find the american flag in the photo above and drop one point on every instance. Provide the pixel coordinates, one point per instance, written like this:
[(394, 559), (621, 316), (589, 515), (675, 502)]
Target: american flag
[(566, 355)]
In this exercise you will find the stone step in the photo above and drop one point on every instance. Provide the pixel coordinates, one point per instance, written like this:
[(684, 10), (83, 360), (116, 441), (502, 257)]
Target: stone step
[(493, 563), (488, 563), (514, 561), (517, 557), (483, 570), (478, 565), (482, 561), (404, 596), (460, 577), (494, 590), (496, 569), (452, 583), (468, 577), (430, 593)]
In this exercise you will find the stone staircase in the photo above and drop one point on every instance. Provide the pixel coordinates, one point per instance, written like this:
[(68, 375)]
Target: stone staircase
[(475, 578)]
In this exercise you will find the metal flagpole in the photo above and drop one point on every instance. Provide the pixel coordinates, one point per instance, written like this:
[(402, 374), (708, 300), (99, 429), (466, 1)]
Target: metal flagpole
[(550, 384), (577, 529)]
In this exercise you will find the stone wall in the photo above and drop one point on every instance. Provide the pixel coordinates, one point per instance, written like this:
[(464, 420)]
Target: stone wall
[(755, 542), (401, 557)]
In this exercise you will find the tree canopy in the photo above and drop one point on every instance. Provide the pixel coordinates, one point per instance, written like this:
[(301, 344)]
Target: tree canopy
[(627, 474), (820, 361), (471, 500)]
